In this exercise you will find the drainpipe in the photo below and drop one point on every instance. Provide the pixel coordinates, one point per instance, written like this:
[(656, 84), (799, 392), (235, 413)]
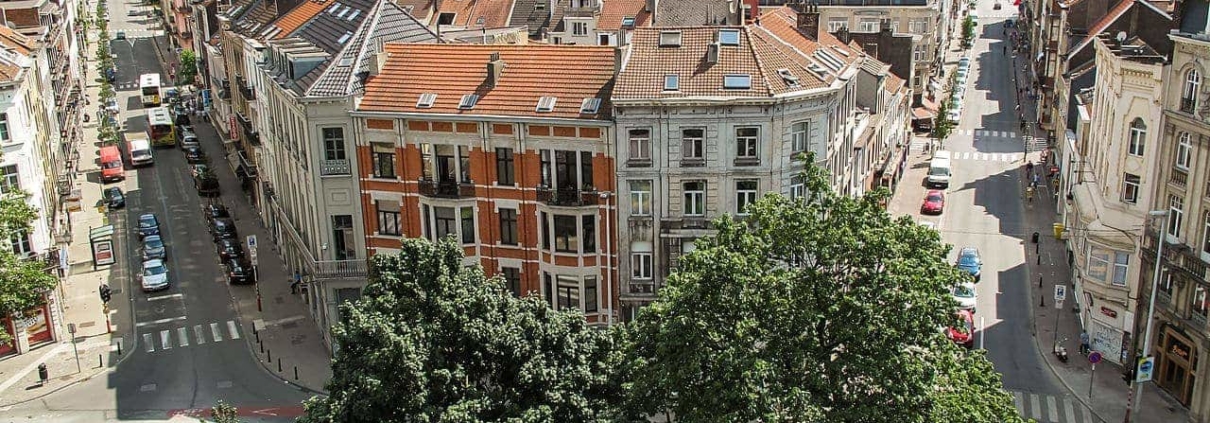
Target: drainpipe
[(605, 196)]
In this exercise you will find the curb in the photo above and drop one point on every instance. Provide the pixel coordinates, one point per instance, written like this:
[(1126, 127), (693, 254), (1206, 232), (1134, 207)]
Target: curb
[(44, 394)]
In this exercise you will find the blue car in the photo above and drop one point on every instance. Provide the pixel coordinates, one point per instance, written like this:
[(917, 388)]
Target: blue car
[(148, 225), (968, 260)]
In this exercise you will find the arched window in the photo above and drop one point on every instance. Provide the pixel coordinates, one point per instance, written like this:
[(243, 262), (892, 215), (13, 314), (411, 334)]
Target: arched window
[(1193, 85), (1138, 137)]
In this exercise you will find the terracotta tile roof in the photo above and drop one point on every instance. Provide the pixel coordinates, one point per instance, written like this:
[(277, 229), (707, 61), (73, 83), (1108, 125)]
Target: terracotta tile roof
[(569, 73), (477, 13), (22, 18), (671, 13), (417, 8), (613, 11), (299, 16), (15, 41)]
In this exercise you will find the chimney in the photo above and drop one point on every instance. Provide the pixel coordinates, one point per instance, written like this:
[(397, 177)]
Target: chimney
[(617, 60), (495, 66), (808, 19), (712, 53), (886, 28), (651, 6), (380, 59)]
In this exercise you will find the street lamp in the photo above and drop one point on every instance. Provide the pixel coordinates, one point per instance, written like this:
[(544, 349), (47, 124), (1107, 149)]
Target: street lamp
[(1155, 281)]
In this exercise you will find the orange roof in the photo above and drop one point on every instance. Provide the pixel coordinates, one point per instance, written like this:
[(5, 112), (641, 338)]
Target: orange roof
[(613, 11), (19, 43), (478, 13), (568, 73), (299, 16)]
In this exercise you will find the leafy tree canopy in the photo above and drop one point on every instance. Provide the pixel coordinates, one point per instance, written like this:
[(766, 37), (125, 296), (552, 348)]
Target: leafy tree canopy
[(433, 340), (22, 282), (188, 71)]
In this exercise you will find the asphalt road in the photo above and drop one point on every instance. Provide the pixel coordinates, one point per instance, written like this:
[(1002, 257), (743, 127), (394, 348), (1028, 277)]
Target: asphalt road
[(188, 350)]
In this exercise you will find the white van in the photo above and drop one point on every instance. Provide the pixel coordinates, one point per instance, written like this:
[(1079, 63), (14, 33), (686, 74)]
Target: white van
[(140, 152), (940, 170)]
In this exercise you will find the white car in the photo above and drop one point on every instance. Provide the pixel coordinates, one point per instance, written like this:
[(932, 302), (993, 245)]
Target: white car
[(965, 295), (955, 116), (155, 275), (928, 224)]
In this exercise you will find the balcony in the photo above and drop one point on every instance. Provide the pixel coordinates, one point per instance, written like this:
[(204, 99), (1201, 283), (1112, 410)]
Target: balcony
[(319, 269), (1178, 257), (581, 11), (335, 167), (567, 197), (446, 189), (224, 89), (245, 90), (1179, 177), (250, 133), (641, 288), (1188, 105)]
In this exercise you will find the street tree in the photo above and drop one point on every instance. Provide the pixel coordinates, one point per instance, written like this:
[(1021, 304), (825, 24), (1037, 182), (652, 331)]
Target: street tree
[(818, 310), (942, 127), (188, 68), (224, 413), (434, 340), (968, 31), (23, 282)]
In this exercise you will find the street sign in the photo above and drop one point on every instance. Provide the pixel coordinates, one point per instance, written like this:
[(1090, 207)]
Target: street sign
[(1094, 357), (252, 249), (252, 241), (1060, 292), (1059, 305), (1146, 367)]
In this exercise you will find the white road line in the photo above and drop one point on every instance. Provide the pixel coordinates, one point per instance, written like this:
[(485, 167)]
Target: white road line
[(198, 335), (1087, 418), (1068, 410), (1035, 407), (218, 335), (148, 342), (165, 340), (165, 297), (285, 320), (1051, 408), (1019, 400), (159, 322), (232, 330), (183, 335)]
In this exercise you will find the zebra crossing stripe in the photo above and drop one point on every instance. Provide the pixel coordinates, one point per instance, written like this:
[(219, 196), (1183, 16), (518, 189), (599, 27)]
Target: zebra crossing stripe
[(198, 335), (164, 340), (231, 329), (218, 335), (182, 334), (1084, 411), (1051, 408), (148, 342), (1035, 407), (1019, 400), (1068, 411)]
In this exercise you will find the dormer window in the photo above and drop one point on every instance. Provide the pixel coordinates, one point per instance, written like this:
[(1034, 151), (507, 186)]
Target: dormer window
[(728, 37), (426, 101), (590, 106), (628, 22), (670, 38), (546, 104), (737, 82), (790, 79), (468, 101), (672, 82)]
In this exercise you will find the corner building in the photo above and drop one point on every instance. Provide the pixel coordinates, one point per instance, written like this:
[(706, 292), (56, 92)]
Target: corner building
[(506, 149)]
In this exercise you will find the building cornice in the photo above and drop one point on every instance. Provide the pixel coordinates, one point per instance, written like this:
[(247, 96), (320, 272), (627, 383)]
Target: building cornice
[(805, 95), (480, 118)]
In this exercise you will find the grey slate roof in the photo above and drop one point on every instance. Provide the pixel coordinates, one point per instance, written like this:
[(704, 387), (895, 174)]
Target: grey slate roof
[(254, 18), (388, 23), (669, 13), (526, 13)]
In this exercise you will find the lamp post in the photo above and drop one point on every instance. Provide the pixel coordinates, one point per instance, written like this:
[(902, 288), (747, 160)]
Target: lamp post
[(1137, 394)]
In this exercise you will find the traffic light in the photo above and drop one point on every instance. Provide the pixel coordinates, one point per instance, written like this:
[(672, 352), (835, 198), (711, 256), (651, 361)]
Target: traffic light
[(106, 293)]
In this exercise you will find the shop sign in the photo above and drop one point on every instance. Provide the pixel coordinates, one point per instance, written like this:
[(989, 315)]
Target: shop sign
[(1109, 312), (1179, 349)]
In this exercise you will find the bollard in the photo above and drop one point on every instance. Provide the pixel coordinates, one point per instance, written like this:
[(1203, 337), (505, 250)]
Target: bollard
[(262, 347), (269, 354), (257, 334), (100, 361), (279, 366), (295, 372)]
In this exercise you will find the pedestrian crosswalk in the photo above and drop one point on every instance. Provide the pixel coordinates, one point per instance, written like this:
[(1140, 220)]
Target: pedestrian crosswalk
[(1045, 408), (195, 335), (985, 133), (138, 33), (992, 157), (1035, 144)]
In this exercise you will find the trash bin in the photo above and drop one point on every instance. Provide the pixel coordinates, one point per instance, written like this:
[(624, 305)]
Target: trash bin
[(1059, 228), (43, 374)]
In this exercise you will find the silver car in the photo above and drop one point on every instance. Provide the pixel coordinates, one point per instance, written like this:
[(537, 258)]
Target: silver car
[(155, 276)]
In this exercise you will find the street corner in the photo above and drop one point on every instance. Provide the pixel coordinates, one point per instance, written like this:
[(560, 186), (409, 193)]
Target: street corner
[(293, 350), (64, 367), (247, 410)]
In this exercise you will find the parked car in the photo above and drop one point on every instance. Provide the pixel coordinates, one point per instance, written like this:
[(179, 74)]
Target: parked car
[(188, 139), (964, 333), (215, 211), (194, 154), (965, 295), (120, 35), (229, 248), (223, 227), (148, 225), (969, 260), (198, 169), (934, 202), (155, 276), (153, 248), (206, 184), (239, 271), (114, 198)]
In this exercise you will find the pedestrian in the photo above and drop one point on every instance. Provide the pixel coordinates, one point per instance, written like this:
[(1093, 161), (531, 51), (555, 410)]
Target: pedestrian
[(1084, 343), (294, 287)]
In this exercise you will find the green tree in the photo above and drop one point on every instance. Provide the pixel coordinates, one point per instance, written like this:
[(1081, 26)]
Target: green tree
[(224, 413), (968, 31), (824, 310), (22, 282), (188, 67), (942, 127), (434, 340)]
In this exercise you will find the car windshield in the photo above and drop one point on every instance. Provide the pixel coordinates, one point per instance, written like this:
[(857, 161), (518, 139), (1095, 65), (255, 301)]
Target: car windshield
[(112, 165), (964, 291), (155, 270), (154, 242), (938, 171), (935, 198), (968, 259), (113, 192), (147, 221)]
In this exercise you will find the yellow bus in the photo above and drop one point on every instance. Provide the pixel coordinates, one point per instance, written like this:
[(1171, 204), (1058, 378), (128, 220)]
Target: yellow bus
[(160, 127), (149, 89)]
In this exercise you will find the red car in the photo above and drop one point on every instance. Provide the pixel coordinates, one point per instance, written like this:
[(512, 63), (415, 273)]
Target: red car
[(965, 334), (934, 202)]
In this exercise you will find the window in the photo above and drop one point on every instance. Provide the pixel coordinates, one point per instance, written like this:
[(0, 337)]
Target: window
[(590, 106), (468, 225), (693, 144), (728, 37), (544, 240), (468, 101), (745, 194), (868, 25), (695, 198), (567, 292), (590, 294), (1121, 266), (508, 226), (443, 217), (1176, 215), (746, 140), (640, 198), (566, 240), (589, 225), (836, 24), (918, 26), (1138, 137), (640, 145), (545, 168), (546, 104), (505, 170), (798, 187), (21, 243), (425, 229), (10, 181), (672, 82), (464, 164), (388, 217), (1184, 148), (1206, 236), (426, 162), (1130, 188), (670, 38), (579, 28), (1193, 85), (512, 280), (4, 135), (628, 22), (334, 143), (384, 160), (1166, 285), (1200, 305), (799, 132), (640, 265), (586, 183), (1098, 264), (426, 101), (737, 82)]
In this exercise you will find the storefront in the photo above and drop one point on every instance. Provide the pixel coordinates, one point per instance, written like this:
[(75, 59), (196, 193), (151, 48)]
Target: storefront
[(1176, 364), (1105, 332)]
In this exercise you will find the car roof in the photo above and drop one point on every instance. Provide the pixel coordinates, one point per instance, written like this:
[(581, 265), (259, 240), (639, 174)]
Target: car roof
[(146, 216), (153, 263), (151, 237), (969, 251)]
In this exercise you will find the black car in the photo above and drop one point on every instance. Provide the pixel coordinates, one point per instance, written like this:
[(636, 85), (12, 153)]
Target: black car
[(229, 248), (239, 271), (206, 184), (215, 211), (114, 198), (194, 154), (149, 225), (223, 228)]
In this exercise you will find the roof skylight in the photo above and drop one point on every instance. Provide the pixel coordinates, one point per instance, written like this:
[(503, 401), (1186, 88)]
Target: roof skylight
[(426, 101), (737, 81), (354, 15), (342, 13), (590, 106), (728, 37), (670, 38), (790, 79), (672, 82), (332, 10), (344, 37), (628, 21), (829, 60), (468, 101), (546, 104)]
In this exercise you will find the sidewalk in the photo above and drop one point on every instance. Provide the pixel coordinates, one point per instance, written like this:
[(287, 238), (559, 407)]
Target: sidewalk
[(286, 340)]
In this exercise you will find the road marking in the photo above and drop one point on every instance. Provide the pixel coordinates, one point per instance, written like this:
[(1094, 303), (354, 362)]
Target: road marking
[(225, 384), (183, 335), (1087, 418), (147, 388), (165, 297), (148, 342), (165, 340), (1051, 408), (159, 322), (1068, 410), (1035, 407), (1019, 399), (231, 328), (285, 320), (218, 335), (198, 335)]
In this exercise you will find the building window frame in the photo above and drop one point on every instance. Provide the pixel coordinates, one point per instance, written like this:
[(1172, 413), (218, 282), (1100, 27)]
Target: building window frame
[(745, 195), (693, 145), (1138, 138), (384, 160), (508, 227), (640, 146), (334, 143), (1131, 188), (1121, 268), (512, 280), (641, 266), (747, 144), (1184, 151), (694, 195), (389, 222), (10, 179), (505, 167), (800, 133), (1176, 216), (1190, 89), (640, 197)]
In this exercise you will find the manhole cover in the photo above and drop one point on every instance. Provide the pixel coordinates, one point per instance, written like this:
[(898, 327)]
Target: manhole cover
[(289, 325), (88, 324)]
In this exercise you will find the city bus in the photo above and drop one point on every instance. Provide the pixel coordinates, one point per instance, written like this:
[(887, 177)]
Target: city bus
[(149, 89), (159, 127)]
